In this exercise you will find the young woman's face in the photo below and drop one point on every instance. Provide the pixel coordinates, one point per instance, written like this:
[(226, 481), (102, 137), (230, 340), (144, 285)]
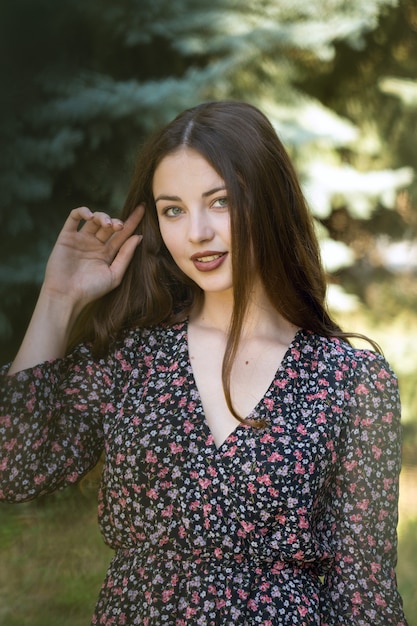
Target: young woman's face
[(193, 214)]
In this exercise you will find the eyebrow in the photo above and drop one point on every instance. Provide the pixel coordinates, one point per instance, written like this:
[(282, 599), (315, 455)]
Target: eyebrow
[(210, 192)]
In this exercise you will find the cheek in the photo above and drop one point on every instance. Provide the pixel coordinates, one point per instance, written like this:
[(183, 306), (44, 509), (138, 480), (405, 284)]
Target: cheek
[(224, 227), (170, 240)]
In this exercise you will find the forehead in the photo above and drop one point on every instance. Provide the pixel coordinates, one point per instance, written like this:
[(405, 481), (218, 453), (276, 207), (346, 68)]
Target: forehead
[(187, 167)]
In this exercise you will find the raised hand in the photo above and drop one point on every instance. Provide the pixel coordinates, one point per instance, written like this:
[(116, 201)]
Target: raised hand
[(89, 259), (91, 255)]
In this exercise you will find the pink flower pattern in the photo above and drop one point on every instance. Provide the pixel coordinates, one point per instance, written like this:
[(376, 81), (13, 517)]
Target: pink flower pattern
[(293, 523)]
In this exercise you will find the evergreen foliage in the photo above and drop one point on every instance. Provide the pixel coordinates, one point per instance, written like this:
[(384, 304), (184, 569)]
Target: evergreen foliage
[(85, 80)]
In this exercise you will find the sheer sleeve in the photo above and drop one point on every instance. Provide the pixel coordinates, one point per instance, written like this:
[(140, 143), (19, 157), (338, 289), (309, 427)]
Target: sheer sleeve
[(361, 518), (51, 430)]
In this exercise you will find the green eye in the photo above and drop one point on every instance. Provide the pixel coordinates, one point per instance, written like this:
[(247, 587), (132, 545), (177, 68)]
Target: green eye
[(221, 203), (172, 211)]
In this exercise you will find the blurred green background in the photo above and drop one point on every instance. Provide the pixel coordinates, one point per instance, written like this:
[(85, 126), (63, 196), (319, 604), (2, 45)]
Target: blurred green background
[(82, 84)]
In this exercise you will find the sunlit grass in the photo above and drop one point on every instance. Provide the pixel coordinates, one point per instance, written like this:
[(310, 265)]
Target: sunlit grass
[(53, 561)]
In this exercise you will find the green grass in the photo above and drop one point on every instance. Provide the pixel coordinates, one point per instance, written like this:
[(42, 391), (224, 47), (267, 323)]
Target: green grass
[(53, 561)]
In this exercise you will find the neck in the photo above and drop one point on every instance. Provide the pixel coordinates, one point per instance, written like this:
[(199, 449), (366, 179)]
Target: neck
[(261, 318), (215, 311)]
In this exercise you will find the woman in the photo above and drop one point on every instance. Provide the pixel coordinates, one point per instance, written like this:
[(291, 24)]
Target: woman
[(251, 454)]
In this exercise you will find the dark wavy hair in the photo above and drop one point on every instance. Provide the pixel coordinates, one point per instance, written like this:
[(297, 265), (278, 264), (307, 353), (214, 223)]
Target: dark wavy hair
[(268, 216)]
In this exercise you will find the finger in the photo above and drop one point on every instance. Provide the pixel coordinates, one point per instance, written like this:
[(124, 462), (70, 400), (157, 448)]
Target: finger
[(124, 257), (135, 218), (129, 227), (107, 231), (99, 221), (102, 223), (76, 216)]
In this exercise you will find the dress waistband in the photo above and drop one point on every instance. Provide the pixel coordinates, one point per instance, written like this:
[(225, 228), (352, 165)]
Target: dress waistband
[(182, 558)]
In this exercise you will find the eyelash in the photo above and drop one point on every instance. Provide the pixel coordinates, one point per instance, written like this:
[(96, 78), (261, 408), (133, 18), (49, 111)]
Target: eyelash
[(167, 209), (170, 208), (225, 198)]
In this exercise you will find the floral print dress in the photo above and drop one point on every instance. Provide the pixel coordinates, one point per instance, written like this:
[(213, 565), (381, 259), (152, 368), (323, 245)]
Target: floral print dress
[(293, 523)]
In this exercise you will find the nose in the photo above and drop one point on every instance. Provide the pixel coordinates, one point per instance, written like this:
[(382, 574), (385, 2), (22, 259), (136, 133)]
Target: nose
[(200, 228)]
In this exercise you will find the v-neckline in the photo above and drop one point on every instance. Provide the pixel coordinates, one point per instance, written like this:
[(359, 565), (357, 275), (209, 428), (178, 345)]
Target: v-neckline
[(240, 425)]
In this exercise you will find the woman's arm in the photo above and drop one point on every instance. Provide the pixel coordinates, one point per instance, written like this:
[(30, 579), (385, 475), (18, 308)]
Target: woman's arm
[(89, 259), (51, 423), (361, 518)]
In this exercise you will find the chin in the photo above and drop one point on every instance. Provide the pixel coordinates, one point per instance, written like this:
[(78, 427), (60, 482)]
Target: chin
[(215, 289)]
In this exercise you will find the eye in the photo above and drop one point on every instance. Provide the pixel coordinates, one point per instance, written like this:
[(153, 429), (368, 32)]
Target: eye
[(221, 203), (172, 211)]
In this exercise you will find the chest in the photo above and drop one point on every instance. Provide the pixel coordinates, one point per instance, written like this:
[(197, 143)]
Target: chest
[(159, 447), (177, 401), (252, 374)]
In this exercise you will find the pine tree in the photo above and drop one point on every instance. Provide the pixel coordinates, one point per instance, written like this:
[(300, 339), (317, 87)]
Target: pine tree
[(86, 81)]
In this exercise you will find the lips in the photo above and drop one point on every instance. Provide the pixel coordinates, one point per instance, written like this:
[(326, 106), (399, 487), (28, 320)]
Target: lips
[(208, 260)]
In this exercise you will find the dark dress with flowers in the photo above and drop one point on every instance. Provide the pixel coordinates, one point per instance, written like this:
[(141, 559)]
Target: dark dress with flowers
[(292, 523)]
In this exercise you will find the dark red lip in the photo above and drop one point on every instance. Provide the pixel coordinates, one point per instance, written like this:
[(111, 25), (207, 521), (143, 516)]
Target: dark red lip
[(206, 253), (208, 265)]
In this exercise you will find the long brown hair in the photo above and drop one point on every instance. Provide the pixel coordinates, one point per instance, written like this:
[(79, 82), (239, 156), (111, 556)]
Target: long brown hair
[(268, 216)]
